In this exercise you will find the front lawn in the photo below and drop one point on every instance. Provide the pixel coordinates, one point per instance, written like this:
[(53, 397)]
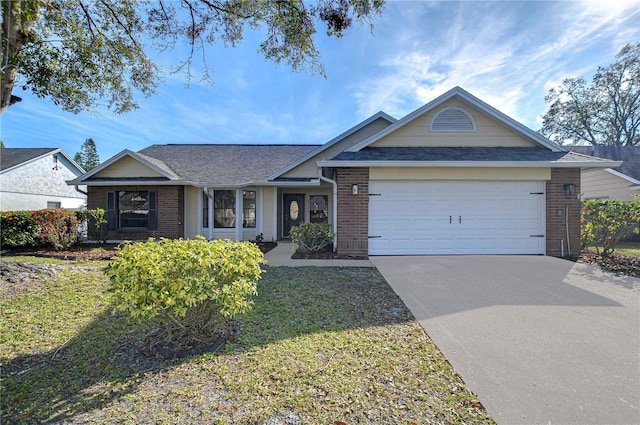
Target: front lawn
[(322, 345), (631, 249)]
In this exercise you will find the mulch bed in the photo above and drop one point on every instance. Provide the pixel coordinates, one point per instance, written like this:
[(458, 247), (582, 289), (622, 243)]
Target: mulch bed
[(617, 263), (88, 252)]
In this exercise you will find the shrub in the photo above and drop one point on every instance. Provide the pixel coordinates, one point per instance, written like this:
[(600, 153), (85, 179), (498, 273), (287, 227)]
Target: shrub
[(57, 227), (32, 228), (605, 223), (18, 229), (312, 236), (193, 287), (95, 220)]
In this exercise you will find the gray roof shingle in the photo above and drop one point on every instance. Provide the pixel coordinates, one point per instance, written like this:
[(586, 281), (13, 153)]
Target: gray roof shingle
[(10, 157), (630, 155), (480, 154), (224, 164)]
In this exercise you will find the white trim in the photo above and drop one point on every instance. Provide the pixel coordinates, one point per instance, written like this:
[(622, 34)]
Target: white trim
[(53, 151), (275, 215), (332, 142), (474, 101), (623, 176), (134, 155), (468, 164)]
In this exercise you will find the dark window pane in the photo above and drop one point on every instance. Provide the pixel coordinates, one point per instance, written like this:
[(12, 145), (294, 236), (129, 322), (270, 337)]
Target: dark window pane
[(248, 208), (224, 209)]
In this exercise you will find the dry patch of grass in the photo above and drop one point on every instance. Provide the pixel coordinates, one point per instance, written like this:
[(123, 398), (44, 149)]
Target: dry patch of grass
[(322, 345)]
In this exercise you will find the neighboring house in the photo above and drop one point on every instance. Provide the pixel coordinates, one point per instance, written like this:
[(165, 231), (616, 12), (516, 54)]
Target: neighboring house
[(456, 176), (621, 183), (35, 178)]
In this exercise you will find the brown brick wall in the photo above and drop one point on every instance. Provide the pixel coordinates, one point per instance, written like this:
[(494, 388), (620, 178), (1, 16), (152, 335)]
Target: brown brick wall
[(557, 203), (353, 212), (170, 211)]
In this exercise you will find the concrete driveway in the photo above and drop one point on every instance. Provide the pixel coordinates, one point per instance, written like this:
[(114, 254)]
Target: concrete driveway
[(539, 340)]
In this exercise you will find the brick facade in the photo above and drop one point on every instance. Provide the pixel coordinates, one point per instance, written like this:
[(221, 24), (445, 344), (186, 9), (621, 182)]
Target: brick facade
[(170, 204), (353, 212), (557, 206)]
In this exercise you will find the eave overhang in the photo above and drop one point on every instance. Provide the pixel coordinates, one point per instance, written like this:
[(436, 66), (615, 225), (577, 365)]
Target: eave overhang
[(469, 164)]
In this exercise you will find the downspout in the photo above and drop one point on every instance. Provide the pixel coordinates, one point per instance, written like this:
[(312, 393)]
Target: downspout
[(81, 191), (334, 204)]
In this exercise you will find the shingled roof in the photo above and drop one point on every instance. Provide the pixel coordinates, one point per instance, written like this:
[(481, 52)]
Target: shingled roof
[(464, 154), (225, 164), (630, 155), (10, 157)]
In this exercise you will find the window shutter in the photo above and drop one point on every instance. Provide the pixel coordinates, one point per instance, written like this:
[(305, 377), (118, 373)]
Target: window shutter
[(153, 210), (111, 211)]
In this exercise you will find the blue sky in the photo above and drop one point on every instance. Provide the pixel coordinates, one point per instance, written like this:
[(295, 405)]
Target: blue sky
[(506, 53)]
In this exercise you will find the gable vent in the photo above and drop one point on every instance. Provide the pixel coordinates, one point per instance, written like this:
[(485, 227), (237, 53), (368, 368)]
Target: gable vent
[(453, 119)]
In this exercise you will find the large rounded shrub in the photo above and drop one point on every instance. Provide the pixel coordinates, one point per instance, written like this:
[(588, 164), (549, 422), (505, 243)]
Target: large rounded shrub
[(193, 287)]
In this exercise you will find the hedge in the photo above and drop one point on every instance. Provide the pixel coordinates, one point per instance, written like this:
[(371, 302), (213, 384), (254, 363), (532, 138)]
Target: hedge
[(56, 227)]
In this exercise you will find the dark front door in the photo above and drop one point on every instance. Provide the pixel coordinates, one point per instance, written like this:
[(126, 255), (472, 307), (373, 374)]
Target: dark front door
[(292, 211)]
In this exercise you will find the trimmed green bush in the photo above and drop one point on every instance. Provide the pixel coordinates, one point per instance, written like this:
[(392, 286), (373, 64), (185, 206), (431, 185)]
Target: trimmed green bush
[(192, 287), (312, 236), (605, 223)]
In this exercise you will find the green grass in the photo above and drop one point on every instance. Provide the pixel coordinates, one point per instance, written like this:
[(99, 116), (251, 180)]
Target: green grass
[(322, 344), (631, 249)]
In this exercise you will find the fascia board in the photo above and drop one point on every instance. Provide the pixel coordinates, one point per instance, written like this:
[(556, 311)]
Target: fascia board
[(37, 158), (127, 183), (83, 178), (466, 164), (332, 142), (469, 98), (623, 176)]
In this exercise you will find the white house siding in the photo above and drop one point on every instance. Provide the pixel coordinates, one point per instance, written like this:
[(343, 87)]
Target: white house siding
[(488, 132), (34, 184), (602, 184)]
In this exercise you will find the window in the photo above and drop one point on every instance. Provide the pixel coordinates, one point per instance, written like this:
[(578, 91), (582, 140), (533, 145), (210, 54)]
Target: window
[(319, 208), (249, 208), (205, 210), (53, 204), (224, 209), (131, 210)]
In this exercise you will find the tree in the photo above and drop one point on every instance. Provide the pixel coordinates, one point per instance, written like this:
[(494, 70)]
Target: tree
[(2, 146), (88, 157), (79, 53), (605, 112)]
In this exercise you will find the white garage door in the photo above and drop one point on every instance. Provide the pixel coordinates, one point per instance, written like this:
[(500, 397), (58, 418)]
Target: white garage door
[(456, 217)]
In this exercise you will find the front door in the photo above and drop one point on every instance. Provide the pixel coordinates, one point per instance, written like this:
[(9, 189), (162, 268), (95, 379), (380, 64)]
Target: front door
[(292, 211)]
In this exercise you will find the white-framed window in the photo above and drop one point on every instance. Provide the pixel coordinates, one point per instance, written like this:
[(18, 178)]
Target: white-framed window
[(249, 209), (224, 209)]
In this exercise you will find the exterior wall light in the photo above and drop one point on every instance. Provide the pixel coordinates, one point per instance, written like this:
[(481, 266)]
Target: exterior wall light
[(354, 189), (569, 189)]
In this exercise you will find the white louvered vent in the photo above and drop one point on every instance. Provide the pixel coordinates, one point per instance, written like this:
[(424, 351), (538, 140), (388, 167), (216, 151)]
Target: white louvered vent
[(453, 119)]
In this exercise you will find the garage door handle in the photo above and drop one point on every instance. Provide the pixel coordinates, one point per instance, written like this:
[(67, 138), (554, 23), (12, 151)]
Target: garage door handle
[(450, 220), (459, 219), (536, 236)]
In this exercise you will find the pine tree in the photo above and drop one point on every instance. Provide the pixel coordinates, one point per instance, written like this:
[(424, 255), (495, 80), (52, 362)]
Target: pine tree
[(88, 157)]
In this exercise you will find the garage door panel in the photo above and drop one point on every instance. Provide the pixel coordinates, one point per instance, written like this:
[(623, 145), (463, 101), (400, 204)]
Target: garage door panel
[(453, 217)]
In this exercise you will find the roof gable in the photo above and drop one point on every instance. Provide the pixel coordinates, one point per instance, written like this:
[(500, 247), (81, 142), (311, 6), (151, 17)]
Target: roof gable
[(11, 158), (129, 165), (306, 165), (413, 128), (630, 155)]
